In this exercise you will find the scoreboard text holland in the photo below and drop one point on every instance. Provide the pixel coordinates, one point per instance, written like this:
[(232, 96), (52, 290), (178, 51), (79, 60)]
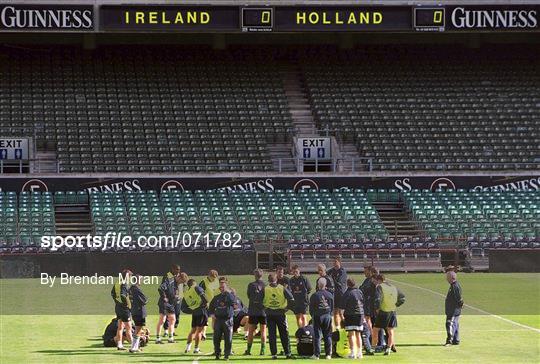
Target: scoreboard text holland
[(233, 19), (319, 19)]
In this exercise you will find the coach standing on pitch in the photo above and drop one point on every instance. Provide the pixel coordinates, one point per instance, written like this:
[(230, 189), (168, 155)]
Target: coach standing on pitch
[(276, 300), (321, 306), (222, 309), (452, 307), (321, 270)]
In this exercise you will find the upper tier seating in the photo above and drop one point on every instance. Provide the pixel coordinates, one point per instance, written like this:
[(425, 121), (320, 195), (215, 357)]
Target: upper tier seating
[(431, 108), (192, 109), (144, 109)]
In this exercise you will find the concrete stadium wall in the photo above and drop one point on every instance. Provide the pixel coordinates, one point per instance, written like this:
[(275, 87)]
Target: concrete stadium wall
[(112, 263), (508, 261)]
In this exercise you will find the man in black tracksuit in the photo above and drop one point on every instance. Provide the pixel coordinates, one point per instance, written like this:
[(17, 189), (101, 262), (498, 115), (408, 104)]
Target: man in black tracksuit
[(166, 304), (138, 312), (339, 278), (321, 306), (300, 289), (222, 309), (256, 312), (368, 291), (452, 308)]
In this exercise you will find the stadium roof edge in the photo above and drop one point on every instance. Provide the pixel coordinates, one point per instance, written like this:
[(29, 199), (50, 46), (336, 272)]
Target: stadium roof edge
[(273, 2)]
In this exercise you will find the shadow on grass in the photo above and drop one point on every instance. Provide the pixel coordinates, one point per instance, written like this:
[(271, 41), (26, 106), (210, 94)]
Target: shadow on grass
[(96, 348), (147, 357), (418, 345)]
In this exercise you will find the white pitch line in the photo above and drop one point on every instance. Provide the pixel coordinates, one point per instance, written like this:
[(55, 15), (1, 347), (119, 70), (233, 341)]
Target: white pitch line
[(196, 361), (469, 306), (442, 331)]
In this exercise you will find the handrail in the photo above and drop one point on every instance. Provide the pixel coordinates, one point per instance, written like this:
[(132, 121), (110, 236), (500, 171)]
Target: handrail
[(335, 165)]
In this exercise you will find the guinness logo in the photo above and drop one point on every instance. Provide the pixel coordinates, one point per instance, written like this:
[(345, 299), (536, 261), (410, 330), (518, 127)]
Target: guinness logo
[(305, 184), (172, 185), (442, 184), (35, 185)]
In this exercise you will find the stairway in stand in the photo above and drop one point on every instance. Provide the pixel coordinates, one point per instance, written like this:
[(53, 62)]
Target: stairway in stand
[(74, 220), (397, 220), (297, 98), (45, 162)]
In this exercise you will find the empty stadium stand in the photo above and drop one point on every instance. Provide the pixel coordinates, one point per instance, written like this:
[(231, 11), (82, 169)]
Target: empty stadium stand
[(144, 110), (193, 109), (343, 216), (431, 108), (320, 217), (279, 215), (312, 226), (25, 219), (482, 216), (483, 221)]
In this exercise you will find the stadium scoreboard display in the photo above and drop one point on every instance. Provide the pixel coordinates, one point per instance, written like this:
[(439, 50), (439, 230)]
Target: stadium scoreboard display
[(429, 19), (189, 18), (257, 19), (289, 19), (285, 19)]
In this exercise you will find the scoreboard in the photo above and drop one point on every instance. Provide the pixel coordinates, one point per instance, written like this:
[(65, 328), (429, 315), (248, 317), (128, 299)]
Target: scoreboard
[(257, 19), (130, 18), (303, 18), (429, 19)]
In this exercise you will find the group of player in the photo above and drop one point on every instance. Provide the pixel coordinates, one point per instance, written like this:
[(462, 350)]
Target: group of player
[(366, 312)]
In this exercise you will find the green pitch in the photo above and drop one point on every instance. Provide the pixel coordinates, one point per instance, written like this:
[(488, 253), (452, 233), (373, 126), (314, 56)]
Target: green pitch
[(501, 323)]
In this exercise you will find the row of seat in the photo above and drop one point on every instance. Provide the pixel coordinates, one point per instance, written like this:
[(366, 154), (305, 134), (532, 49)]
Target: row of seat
[(404, 108), (257, 216), (344, 216), (119, 97), (480, 215), (26, 217), (396, 108)]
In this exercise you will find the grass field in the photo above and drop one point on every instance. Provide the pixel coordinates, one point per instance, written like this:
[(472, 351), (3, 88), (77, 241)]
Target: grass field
[(500, 324)]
